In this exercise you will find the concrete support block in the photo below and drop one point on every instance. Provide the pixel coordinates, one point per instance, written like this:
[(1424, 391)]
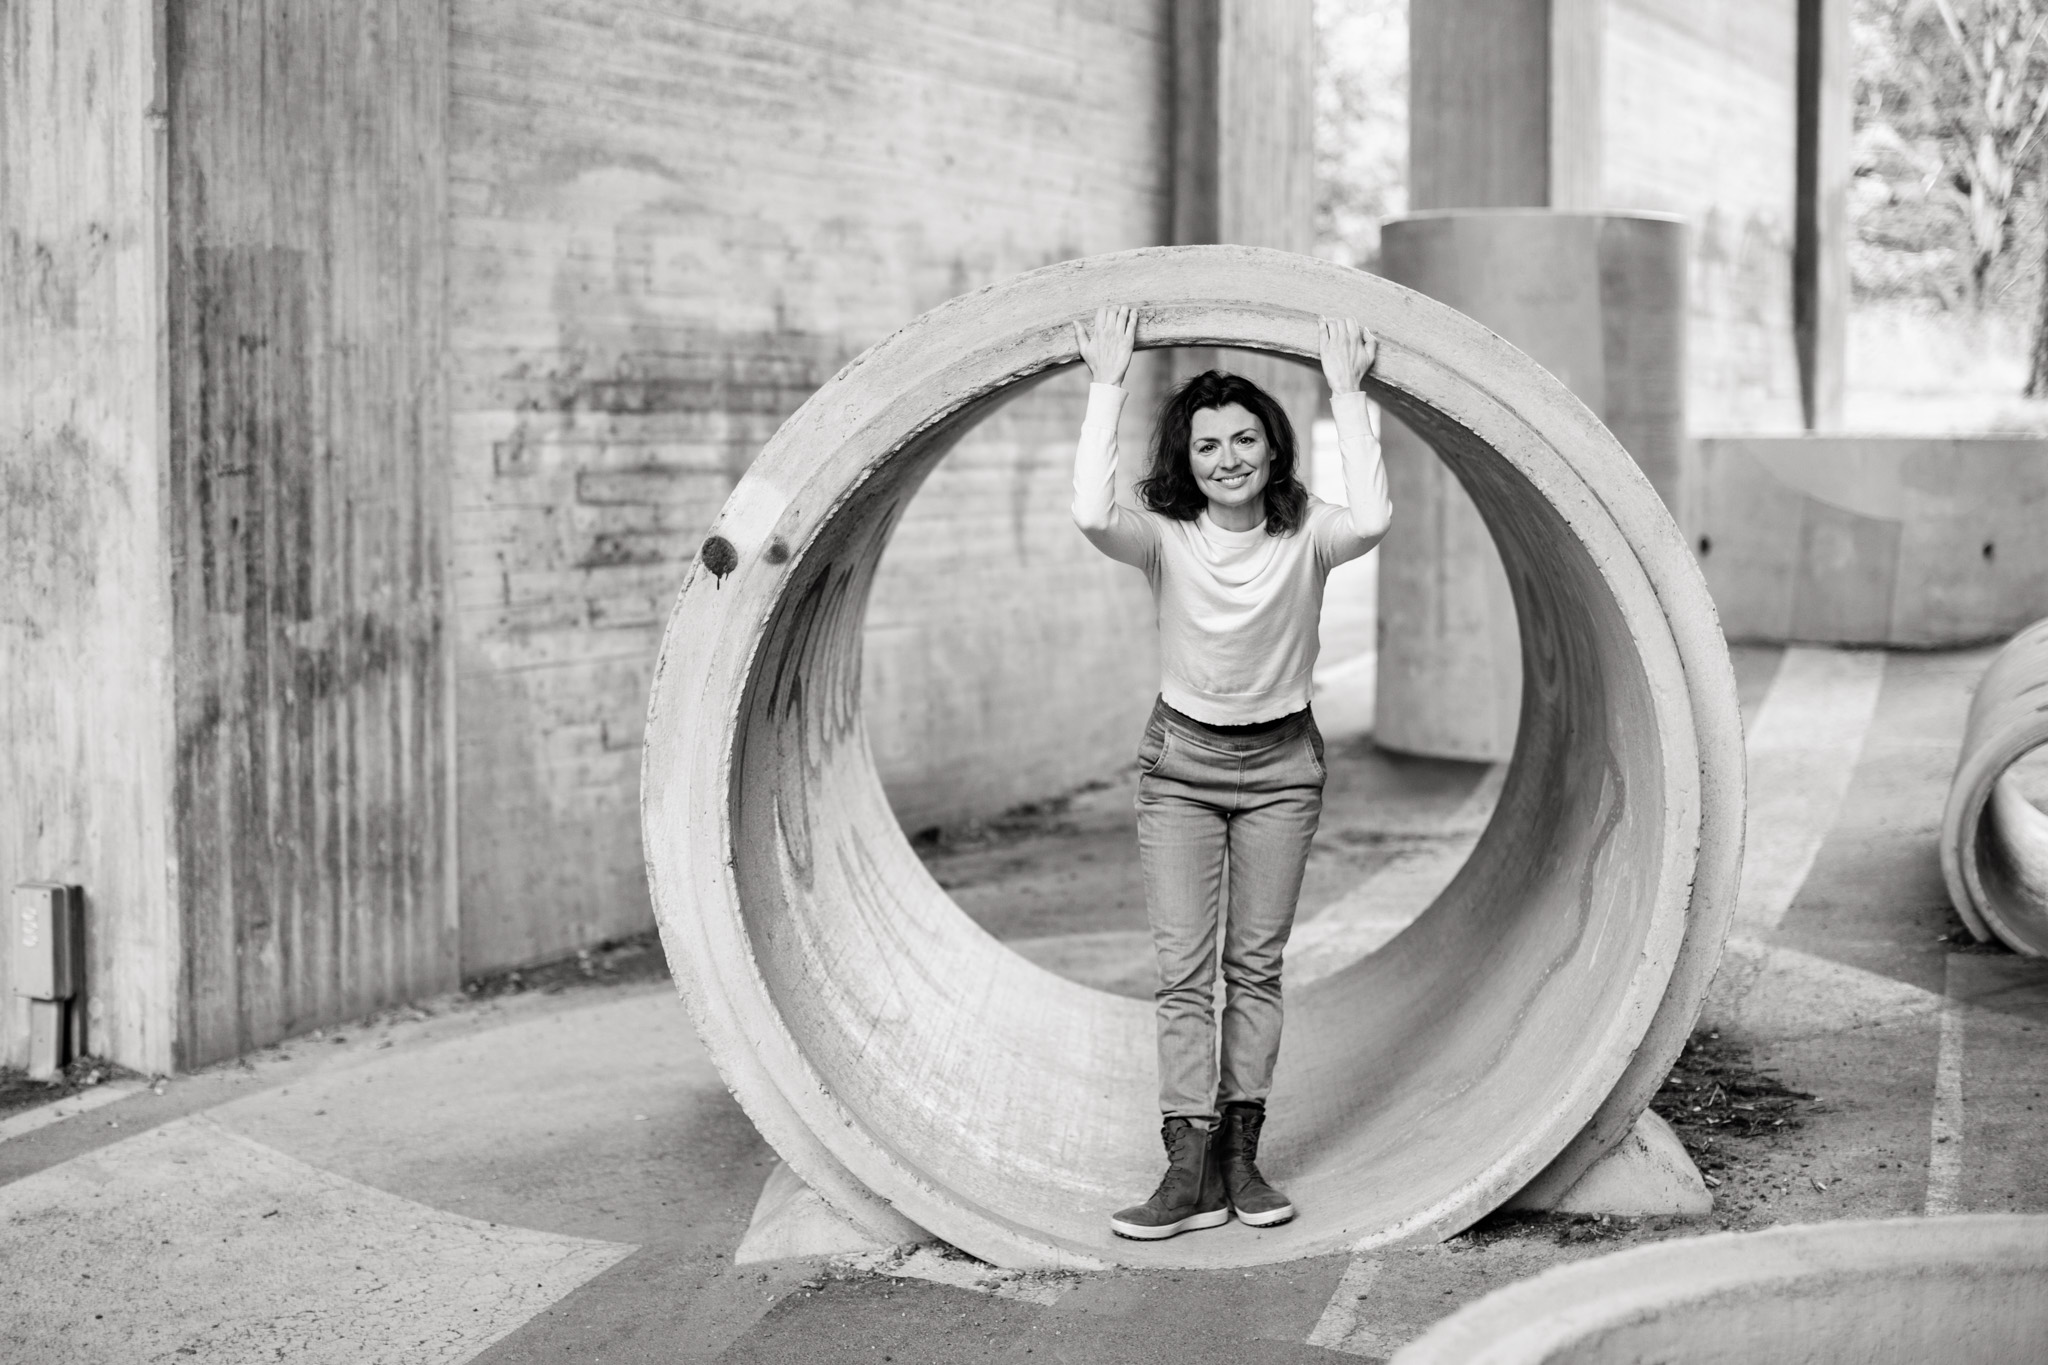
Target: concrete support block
[(1994, 841), (1649, 1173), (1597, 299), (790, 1220), (1964, 1291), (1912, 541), (918, 1074)]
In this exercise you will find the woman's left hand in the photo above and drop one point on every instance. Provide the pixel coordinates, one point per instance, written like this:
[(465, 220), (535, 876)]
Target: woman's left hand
[(1348, 352)]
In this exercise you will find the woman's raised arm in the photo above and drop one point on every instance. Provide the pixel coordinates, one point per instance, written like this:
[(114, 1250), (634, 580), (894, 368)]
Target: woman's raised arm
[(1106, 348), (1348, 351)]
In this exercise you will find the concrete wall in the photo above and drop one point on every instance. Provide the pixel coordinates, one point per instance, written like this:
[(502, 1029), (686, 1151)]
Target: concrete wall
[(353, 351), (1700, 118), (85, 644), (669, 224), (1872, 540), (306, 508), (1644, 105), (226, 683)]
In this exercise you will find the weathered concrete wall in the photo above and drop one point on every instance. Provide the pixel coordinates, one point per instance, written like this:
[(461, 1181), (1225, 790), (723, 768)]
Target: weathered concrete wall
[(1700, 118), (85, 643), (306, 508), (1643, 105), (1872, 540), (669, 225)]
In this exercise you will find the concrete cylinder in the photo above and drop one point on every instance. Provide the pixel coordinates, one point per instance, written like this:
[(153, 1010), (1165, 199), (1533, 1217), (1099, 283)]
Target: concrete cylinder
[(1994, 841), (1598, 299), (919, 1074), (1964, 1291)]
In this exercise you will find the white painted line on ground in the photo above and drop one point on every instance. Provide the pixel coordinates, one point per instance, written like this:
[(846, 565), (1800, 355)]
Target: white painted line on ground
[(202, 1243), (1342, 1326), (1803, 751), (84, 1102), (1945, 1145)]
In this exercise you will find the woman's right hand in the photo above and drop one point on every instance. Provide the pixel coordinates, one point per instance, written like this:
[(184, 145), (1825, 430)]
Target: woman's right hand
[(1107, 347)]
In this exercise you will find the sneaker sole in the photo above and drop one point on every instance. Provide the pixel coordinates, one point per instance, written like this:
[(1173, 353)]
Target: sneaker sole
[(1268, 1219), (1139, 1232)]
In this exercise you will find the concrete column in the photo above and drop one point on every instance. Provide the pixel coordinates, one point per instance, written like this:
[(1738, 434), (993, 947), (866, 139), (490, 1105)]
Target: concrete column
[(224, 669), (1243, 112), (1820, 241), (1505, 103), (1599, 301)]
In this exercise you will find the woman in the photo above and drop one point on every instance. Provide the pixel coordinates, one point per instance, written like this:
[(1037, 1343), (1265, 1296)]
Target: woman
[(1237, 551)]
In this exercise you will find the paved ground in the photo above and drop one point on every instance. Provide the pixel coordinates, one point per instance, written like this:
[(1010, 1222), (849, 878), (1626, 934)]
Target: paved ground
[(561, 1177)]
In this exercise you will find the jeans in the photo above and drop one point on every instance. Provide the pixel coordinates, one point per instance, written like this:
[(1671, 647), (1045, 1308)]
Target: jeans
[(1245, 800)]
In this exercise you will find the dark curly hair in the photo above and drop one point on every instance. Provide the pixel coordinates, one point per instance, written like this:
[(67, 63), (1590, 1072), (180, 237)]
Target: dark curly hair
[(1170, 488)]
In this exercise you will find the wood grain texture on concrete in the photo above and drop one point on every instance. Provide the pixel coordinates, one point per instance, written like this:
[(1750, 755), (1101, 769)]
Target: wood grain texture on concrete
[(1599, 301), (1994, 841), (1971, 1290), (1914, 541), (85, 628), (919, 1075), (306, 504), (669, 225)]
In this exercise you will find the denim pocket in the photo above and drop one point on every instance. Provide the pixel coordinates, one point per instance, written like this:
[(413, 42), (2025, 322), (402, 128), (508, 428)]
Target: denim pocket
[(1152, 750), (1315, 750)]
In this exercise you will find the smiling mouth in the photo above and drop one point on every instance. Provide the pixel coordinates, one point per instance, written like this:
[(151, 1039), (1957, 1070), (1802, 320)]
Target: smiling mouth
[(1233, 480)]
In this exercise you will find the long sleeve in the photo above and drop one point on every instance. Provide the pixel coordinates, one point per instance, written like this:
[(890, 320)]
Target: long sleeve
[(1119, 532), (1365, 482)]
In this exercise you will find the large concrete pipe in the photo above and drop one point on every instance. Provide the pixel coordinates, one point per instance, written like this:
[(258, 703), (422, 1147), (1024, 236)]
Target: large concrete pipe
[(1994, 841), (1963, 1291), (915, 1072), (1598, 299)]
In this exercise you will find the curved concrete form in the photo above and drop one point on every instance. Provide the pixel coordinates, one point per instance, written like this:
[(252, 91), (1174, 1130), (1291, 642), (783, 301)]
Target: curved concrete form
[(1964, 1291), (1598, 299), (1994, 842), (917, 1073)]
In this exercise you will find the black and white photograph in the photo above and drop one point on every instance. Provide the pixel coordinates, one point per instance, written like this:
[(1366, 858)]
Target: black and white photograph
[(1060, 682)]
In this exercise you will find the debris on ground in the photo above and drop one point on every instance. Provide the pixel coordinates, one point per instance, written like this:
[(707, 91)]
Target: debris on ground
[(18, 1092), (1032, 819), (1957, 938), (1717, 1100), (614, 962), (1564, 1229)]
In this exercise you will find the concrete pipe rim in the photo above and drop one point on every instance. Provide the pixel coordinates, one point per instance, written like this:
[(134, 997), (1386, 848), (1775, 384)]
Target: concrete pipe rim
[(805, 527), (2008, 721), (1551, 1315)]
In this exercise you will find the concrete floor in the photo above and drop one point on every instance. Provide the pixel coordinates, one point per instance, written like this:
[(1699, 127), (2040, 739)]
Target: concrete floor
[(562, 1177)]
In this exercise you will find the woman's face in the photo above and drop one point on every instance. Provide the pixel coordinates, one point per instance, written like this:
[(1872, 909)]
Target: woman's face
[(1231, 460)]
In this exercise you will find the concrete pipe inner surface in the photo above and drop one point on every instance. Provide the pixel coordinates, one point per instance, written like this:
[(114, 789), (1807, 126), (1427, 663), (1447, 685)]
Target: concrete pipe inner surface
[(1994, 841), (909, 1066), (1965, 1291)]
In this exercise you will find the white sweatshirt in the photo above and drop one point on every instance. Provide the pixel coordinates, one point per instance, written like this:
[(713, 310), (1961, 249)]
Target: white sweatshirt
[(1238, 610)]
